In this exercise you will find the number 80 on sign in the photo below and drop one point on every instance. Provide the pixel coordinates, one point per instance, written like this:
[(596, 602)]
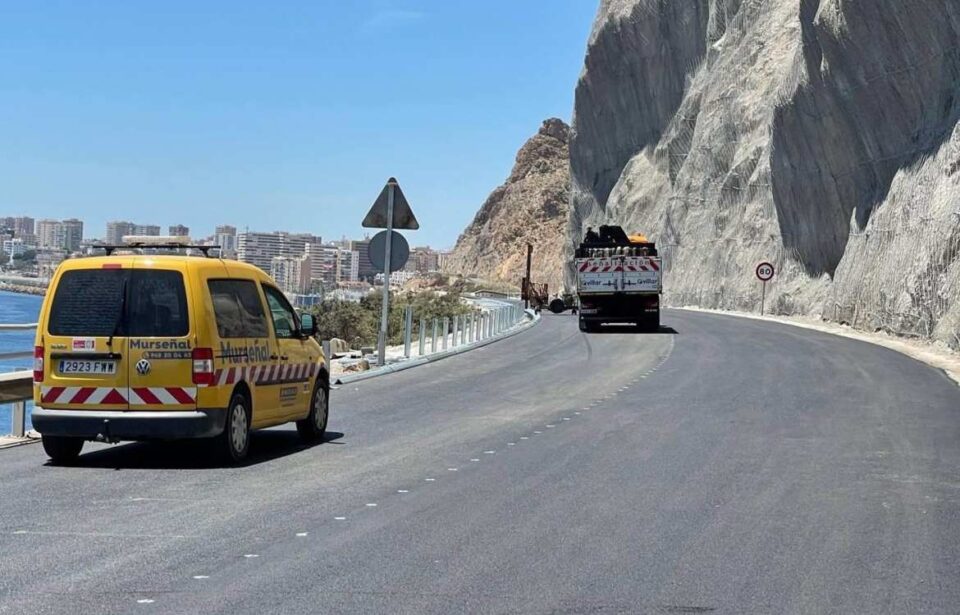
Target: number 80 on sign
[(765, 272)]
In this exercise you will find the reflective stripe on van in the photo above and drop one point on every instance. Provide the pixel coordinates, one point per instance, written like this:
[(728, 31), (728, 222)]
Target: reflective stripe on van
[(141, 396), (267, 374)]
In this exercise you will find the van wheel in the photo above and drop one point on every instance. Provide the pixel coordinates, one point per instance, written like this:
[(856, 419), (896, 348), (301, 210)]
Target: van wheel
[(234, 442), (61, 449), (312, 428)]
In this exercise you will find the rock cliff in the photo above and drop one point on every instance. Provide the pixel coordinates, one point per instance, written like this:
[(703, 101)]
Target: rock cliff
[(821, 135), (532, 206)]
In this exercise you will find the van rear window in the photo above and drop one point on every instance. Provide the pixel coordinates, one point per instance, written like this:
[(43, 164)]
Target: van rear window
[(88, 302)]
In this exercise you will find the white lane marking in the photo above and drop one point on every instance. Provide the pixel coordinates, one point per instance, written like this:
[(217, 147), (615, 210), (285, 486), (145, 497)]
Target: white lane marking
[(451, 469), (403, 491), (577, 413), (524, 437), (145, 601), (371, 504), (250, 555), (429, 480), (511, 443), (475, 459), (98, 534), (489, 452), (550, 426), (301, 534), (200, 577), (538, 432), (339, 518), (566, 418)]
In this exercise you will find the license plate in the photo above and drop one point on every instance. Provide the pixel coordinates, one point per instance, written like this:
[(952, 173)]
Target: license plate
[(70, 366)]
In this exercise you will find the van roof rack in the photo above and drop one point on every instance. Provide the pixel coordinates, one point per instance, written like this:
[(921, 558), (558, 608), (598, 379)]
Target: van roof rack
[(111, 248)]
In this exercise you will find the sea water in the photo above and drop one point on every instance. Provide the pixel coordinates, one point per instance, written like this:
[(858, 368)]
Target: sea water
[(16, 309)]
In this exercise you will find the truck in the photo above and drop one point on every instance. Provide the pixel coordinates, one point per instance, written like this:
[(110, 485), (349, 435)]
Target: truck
[(619, 280)]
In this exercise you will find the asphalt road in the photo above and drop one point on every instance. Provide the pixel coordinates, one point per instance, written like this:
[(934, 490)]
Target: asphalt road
[(726, 466)]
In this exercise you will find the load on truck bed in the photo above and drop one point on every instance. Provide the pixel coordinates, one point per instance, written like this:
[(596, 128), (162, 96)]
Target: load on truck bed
[(619, 279)]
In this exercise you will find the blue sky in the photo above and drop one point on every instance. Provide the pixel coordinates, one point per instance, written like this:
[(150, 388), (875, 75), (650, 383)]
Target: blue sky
[(275, 115)]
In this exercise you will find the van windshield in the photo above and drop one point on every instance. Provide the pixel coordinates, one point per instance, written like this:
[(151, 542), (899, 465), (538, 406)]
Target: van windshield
[(88, 302)]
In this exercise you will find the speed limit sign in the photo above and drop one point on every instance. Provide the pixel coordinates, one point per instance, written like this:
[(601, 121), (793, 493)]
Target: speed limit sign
[(765, 272)]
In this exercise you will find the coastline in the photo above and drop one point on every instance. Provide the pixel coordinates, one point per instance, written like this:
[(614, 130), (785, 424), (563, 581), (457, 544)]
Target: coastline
[(23, 290)]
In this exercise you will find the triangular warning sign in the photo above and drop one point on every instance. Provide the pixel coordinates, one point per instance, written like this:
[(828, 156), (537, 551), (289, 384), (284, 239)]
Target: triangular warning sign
[(403, 217)]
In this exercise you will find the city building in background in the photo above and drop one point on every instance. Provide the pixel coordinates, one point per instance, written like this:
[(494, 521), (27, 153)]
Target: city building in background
[(260, 249), (178, 230), (151, 230), (66, 235), (116, 231), (225, 236), (15, 247), (365, 269), (397, 278), (22, 226), (291, 273)]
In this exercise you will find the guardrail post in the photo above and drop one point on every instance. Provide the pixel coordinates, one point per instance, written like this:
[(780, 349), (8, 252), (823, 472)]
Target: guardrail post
[(407, 330), (463, 330), (456, 330), (423, 335), (433, 343), (19, 418), (446, 330)]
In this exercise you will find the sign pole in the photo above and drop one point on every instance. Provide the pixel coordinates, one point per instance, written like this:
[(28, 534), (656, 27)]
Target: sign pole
[(385, 312), (763, 296)]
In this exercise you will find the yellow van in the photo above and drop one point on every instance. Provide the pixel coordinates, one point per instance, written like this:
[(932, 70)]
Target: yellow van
[(153, 347)]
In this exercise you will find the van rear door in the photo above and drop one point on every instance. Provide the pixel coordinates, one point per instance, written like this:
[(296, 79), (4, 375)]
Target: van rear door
[(160, 340), (84, 345)]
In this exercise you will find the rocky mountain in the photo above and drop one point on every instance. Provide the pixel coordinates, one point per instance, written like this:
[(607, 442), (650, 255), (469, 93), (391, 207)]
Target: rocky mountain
[(532, 206), (821, 135)]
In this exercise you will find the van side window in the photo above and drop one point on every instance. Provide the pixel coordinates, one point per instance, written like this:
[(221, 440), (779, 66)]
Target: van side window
[(285, 321), (238, 309)]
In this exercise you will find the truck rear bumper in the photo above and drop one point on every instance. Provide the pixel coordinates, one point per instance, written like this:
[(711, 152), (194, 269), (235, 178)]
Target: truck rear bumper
[(114, 426)]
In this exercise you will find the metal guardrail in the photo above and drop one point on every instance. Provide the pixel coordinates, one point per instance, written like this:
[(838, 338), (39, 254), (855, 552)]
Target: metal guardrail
[(16, 388), (492, 318)]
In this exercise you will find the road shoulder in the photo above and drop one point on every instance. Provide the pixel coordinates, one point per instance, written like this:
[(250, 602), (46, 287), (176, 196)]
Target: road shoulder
[(933, 355)]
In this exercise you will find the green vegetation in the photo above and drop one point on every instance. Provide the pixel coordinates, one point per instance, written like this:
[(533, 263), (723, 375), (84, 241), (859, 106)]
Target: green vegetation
[(358, 323)]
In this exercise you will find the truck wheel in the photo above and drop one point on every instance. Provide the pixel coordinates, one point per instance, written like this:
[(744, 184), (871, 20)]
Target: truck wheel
[(234, 442), (61, 449), (557, 306), (312, 428), (586, 326)]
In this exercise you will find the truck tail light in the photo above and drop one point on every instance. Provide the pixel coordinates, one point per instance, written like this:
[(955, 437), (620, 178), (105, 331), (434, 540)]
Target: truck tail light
[(203, 366), (38, 363)]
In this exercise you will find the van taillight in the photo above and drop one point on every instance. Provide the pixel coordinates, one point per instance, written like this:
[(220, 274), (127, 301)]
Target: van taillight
[(203, 366), (38, 363)]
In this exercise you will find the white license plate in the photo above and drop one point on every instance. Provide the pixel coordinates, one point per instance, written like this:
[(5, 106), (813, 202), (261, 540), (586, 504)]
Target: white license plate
[(70, 366)]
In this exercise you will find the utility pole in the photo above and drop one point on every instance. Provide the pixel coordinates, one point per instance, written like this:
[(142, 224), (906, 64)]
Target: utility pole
[(526, 280)]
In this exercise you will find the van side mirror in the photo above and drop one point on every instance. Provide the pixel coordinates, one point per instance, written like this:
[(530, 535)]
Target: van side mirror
[(308, 326)]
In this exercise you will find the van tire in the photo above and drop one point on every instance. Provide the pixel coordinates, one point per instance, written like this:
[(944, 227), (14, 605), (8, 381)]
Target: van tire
[(313, 428), (234, 442), (62, 450)]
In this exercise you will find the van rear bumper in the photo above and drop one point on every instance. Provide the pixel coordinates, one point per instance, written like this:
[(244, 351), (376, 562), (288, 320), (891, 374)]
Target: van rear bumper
[(117, 425)]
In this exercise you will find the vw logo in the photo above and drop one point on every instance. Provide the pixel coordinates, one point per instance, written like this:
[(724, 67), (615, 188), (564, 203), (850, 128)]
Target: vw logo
[(143, 367)]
